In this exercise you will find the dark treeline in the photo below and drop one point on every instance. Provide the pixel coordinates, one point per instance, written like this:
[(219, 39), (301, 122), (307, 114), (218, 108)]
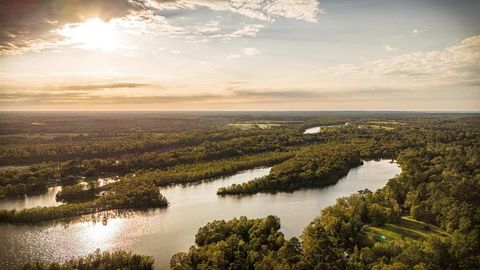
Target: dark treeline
[(60, 148), (315, 166), (99, 260)]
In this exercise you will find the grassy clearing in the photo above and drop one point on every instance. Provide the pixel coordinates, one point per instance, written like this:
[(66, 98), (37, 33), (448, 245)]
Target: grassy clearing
[(407, 228), (374, 126), (262, 124), (392, 122), (386, 125), (246, 126)]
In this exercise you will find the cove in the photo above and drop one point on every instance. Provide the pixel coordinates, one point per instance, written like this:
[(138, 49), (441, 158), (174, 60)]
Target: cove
[(164, 232)]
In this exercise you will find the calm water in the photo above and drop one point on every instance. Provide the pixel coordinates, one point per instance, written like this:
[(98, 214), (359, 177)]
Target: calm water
[(312, 130), (44, 199), (161, 233)]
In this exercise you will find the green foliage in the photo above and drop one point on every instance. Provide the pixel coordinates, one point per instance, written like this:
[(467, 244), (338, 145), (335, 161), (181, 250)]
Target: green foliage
[(116, 260), (257, 244), (76, 193), (206, 170), (315, 166)]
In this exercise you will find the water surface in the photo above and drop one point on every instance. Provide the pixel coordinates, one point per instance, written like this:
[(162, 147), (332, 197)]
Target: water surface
[(312, 130), (31, 201), (164, 232)]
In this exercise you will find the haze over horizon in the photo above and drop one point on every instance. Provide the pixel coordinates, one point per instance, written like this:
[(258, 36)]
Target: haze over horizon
[(148, 55)]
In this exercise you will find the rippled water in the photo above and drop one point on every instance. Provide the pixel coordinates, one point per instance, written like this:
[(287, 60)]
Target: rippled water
[(163, 232)]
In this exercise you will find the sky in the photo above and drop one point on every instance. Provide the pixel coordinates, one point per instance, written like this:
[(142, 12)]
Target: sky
[(137, 55)]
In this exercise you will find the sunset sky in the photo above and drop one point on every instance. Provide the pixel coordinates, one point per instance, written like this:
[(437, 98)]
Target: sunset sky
[(240, 55)]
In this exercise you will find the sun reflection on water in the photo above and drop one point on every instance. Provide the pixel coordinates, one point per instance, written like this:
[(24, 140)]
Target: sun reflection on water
[(94, 235)]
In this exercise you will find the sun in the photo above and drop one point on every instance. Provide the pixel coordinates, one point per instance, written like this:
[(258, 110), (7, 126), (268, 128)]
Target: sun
[(93, 34)]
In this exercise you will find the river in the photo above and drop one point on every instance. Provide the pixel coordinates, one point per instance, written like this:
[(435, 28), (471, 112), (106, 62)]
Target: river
[(164, 232), (31, 201), (312, 130)]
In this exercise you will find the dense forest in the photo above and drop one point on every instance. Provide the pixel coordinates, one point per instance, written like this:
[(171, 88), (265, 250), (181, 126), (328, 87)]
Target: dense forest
[(425, 218)]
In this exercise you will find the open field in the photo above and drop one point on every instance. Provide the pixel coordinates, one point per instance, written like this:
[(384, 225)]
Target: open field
[(407, 228)]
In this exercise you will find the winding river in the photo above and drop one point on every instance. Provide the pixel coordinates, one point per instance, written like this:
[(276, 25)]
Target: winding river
[(163, 232)]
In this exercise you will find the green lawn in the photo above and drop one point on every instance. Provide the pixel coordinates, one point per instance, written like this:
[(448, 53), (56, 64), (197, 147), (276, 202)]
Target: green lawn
[(406, 228)]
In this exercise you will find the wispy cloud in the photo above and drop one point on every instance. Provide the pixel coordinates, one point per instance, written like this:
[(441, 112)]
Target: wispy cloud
[(251, 51), (416, 31), (390, 49), (250, 30), (266, 10), (231, 95), (459, 63), (98, 86), (34, 26), (85, 95), (245, 52)]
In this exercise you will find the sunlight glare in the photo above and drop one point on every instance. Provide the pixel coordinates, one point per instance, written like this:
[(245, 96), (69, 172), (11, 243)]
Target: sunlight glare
[(93, 34)]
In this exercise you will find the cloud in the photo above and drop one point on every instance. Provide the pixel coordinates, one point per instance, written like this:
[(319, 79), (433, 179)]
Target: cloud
[(28, 25), (251, 51), (148, 22), (231, 95), (390, 49), (208, 65), (33, 25), (99, 86), (459, 63), (233, 56), (210, 27), (88, 94), (266, 10), (279, 94), (250, 30), (245, 52), (416, 32), (306, 10)]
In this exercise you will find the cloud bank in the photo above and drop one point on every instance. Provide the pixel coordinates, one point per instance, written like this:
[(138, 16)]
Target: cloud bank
[(34, 25)]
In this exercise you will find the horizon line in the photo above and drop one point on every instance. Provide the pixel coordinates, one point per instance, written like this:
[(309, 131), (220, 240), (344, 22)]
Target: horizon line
[(133, 111)]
